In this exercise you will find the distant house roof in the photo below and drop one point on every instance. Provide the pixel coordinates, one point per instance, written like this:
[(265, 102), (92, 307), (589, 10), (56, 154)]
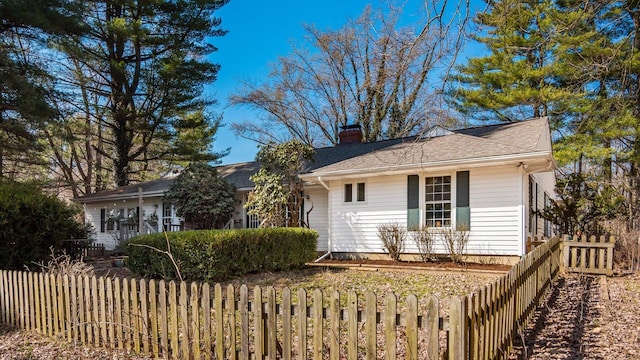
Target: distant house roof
[(494, 141), (236, 174), (149, 188)]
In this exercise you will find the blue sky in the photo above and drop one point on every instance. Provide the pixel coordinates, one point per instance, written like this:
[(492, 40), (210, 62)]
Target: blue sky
[(259, 32)]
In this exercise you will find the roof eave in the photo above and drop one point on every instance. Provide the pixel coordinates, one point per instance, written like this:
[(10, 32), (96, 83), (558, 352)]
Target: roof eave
[(127, 196)]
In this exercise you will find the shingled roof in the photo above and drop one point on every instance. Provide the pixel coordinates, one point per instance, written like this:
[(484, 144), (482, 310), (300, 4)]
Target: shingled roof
[(236, 174), (472, 144), (493, 141)]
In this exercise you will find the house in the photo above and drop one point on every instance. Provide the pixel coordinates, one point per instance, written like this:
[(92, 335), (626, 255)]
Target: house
[(115, 214), (493, 179)]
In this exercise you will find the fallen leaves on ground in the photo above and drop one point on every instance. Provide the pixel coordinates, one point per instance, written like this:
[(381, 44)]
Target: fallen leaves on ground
[(582, 317), (585, 317)]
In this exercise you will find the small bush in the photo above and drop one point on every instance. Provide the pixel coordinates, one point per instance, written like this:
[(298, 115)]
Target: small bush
[(627, 248), (211, 206), (425, 238), (218, 255), (63, 264), (455, 241), (392, 236)]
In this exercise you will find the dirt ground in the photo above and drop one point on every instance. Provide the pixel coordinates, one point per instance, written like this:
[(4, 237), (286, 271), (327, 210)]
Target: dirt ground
[(582, 317), (585, 317)]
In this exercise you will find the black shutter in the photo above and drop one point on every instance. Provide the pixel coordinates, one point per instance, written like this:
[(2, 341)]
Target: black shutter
[(413, 202), (463, 213), (103, 219)]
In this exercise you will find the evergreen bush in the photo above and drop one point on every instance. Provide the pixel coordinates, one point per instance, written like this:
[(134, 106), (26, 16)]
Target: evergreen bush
[(32, 223), (218, 255)]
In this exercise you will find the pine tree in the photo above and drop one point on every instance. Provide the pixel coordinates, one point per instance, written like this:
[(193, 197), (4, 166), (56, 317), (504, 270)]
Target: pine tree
[(519, 78), (147, 67), (576, 62), (25, 85)]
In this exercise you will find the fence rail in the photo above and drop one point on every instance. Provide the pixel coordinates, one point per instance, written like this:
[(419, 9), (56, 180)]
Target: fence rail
[(588, 254), (194, 321), (83, 248)]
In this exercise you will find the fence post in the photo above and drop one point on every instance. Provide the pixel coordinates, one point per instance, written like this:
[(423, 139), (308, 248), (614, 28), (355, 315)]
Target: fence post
[(612, 240), (458, 328), (564, 253)]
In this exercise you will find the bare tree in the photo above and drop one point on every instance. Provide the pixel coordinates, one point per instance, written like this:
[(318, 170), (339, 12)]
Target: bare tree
[(373, 72), (77, 143)]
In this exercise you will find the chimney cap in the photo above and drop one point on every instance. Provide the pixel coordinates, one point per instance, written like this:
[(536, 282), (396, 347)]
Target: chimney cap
[(350, 127)]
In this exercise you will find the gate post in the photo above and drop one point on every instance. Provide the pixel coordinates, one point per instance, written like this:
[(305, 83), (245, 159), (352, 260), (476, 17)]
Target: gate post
[(564, 253)]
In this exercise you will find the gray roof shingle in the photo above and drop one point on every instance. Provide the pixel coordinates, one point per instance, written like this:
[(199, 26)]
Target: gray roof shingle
[(472, 143)]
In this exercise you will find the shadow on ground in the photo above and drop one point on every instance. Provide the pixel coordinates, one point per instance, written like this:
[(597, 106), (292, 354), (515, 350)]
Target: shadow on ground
[(562, 326)]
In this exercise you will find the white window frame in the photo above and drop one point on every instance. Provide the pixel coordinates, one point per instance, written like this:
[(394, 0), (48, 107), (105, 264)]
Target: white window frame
[(450, 201), (354, 192), (169, 222)]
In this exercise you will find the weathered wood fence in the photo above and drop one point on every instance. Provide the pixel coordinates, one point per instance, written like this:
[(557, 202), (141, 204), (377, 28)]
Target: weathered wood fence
[(588, 254), (194, 321), (491, 317)]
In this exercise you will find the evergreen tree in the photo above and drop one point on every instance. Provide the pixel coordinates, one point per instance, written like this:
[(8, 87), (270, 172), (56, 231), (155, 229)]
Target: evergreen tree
[(576, 62), (24, 83), (519, 78), (202, 197), (145, 63)]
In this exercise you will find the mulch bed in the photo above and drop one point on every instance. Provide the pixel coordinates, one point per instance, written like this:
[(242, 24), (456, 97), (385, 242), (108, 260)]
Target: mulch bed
[(443, 265)]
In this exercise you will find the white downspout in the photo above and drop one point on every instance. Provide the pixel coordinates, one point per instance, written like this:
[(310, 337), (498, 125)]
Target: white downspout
[(329, 242), (523, 224)]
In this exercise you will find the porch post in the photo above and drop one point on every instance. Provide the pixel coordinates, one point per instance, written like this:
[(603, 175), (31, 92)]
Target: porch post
[(140, 217)]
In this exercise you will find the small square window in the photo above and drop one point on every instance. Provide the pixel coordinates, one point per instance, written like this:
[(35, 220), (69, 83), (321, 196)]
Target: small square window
[(360, 196), (348, 192)]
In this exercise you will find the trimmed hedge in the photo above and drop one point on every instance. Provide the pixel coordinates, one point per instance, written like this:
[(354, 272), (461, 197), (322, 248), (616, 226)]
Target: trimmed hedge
[(218, 255)]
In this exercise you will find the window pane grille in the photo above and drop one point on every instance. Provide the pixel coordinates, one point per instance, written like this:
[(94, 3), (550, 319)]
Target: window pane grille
[(438, 201)]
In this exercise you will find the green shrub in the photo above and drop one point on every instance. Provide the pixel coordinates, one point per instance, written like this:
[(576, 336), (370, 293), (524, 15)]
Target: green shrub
[(32, 222), (217, 255)]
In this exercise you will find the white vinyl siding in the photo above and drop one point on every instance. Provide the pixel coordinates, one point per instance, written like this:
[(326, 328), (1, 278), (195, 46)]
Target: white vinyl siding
[(495, 205), (319, 216), (495, 201), (355, 228)]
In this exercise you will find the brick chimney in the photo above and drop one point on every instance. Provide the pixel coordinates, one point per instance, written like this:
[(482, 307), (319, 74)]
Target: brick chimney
[(350, 134)]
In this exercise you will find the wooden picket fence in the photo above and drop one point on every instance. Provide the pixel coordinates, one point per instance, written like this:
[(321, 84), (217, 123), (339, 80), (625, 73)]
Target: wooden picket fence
[(196, 321), (492, 316), (588, 254)]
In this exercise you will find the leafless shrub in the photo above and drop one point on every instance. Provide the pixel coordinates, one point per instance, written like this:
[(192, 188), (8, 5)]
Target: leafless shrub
[(627, 249), (393, 237), (455, 241), (425, 238), (63, 264)]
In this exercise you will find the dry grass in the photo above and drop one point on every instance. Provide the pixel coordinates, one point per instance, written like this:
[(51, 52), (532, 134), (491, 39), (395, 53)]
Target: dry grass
[(423, 284), (63, 264)]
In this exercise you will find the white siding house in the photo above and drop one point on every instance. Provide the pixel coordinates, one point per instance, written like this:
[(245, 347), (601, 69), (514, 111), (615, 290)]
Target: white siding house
[(494, 180)]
